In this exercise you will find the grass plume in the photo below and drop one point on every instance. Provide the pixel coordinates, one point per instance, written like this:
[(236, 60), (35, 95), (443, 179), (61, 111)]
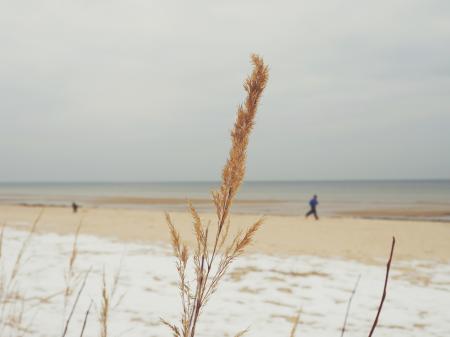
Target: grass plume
[(209, 266)]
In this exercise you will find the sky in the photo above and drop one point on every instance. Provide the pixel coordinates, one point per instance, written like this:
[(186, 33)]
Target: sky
[(147, 90)]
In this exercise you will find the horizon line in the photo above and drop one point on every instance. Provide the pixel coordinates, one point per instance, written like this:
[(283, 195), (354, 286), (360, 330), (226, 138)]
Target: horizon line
[(218, 181)]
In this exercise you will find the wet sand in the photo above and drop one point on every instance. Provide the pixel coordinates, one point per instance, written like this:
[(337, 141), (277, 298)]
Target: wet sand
[(364, 240), (128, 201), (401, 213)]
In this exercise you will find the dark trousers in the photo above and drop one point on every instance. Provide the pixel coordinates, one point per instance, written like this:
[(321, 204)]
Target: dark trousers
[(312, 211)]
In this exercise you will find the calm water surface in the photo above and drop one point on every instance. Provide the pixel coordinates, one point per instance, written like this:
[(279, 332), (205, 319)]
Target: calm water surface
[(287, 197)]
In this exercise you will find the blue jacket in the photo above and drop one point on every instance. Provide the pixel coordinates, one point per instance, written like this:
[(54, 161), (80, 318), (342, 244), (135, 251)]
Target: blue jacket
[(313, 202)]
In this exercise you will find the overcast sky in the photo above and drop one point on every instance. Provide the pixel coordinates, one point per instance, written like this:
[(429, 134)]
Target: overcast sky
[(145, 90)]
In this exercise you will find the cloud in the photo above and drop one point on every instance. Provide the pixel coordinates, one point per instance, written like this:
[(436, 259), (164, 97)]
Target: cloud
[(138, 89)]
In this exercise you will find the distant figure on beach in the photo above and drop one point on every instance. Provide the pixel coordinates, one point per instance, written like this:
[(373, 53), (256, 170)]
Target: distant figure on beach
[(313, 204), (74, 207)]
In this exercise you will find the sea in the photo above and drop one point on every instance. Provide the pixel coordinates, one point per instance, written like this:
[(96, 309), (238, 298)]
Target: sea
[(405, 199)]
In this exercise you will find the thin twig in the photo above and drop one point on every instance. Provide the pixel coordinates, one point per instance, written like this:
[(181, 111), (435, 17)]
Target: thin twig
[(349, 304), (70, 277), (85, 319), (75, 304), (388, 268)]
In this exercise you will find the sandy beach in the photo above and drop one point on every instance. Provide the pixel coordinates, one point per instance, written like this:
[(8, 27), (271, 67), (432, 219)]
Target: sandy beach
[(293, 264), (365, 240)]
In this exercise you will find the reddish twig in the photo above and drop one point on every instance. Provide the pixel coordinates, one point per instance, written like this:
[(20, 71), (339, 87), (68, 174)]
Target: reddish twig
[(388, 268)]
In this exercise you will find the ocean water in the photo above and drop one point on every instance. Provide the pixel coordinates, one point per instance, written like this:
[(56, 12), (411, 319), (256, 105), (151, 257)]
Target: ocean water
[(283, 197)]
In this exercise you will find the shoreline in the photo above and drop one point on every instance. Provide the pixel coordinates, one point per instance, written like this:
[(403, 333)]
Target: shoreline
[(273, 207), (364, 240)]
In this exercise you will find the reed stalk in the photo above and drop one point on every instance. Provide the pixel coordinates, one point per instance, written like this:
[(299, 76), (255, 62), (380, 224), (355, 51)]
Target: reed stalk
[(209, 265)]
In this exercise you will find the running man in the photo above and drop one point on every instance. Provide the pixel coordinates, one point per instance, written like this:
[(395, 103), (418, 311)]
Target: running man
[(313, 204)]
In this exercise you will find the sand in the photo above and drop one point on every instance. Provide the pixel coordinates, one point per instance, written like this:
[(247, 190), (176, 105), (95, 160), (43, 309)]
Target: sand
[(294, 263), (364, 240)]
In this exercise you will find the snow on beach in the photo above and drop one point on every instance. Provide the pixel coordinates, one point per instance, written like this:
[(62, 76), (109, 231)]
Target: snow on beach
[(260, 292)]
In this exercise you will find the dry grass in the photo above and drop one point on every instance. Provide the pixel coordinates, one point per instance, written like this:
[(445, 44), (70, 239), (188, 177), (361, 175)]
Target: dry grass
[(241, 333), (108, 297), (74, 305), (12, 300), (295, 323), (115, 298), (214, 254), (71, 276), (104, 310), (18, 263)]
